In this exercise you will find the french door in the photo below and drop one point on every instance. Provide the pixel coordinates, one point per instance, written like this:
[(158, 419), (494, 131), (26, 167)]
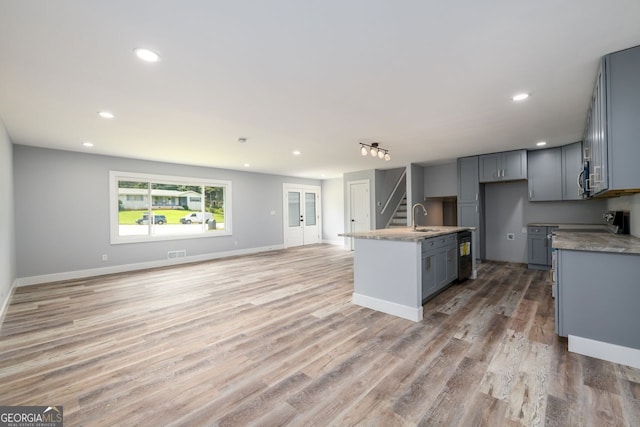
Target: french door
[(302, 219)]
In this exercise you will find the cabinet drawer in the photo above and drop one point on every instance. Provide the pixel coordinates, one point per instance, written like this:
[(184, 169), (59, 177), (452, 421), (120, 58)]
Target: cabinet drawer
[(429, 244), (537, 230)]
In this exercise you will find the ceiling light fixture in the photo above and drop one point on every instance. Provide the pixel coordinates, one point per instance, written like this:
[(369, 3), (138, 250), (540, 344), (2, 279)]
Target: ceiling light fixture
[(247, 165), (375, 151), (147, 55), (296, 153), (520, 97), (106, 114), (541, 143), (87, 144)]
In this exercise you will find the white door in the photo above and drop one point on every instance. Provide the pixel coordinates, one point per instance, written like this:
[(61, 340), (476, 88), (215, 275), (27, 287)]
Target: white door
[(359, 207), (301, 206)]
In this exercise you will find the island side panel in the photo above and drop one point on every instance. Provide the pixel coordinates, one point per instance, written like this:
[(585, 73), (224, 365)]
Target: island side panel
[(387, 277), (598, 297)]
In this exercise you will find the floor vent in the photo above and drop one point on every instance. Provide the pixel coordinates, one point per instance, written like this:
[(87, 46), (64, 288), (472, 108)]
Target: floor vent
[(177, 254)]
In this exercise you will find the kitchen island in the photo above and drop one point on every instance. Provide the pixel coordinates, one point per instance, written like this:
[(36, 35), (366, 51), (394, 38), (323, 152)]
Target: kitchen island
[(397, 269), (598, 289)]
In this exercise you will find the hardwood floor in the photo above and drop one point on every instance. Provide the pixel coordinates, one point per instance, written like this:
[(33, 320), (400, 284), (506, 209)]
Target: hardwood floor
[(272, 339)]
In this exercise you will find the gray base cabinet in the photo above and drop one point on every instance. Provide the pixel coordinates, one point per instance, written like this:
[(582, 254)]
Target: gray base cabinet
[(597, 296), (539, 247), (439, 264)]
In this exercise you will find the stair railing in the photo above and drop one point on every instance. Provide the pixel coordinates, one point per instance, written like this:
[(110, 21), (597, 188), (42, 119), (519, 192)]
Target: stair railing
[(401, 180)]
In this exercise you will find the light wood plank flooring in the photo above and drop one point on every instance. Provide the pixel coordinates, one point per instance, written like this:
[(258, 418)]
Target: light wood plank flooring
[(272, 339)]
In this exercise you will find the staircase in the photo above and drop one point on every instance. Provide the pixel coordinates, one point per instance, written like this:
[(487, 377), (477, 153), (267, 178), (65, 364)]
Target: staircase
[(399, 218)]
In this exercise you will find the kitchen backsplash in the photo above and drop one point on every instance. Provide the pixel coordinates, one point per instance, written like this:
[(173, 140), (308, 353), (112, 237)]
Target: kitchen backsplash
[(628, 203)]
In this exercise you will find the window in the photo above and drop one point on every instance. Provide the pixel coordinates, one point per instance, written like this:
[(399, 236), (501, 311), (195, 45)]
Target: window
[(157, 207)]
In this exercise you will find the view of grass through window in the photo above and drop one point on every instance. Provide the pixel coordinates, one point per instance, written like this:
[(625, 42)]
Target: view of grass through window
[(148, 208)]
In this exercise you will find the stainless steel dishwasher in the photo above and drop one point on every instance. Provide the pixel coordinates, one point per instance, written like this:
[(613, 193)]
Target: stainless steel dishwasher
[(465, 256)]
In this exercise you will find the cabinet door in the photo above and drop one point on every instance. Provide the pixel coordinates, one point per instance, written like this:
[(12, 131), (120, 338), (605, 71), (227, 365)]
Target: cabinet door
[(514, 165), (571, 167), (441, 267), (429, 284), (468, 184), (468, 216), (545, 174), (537, 249), (452, 263), (490, 168)]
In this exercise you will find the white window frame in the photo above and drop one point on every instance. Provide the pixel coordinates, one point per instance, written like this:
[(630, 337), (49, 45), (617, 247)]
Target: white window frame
[(115, 176)]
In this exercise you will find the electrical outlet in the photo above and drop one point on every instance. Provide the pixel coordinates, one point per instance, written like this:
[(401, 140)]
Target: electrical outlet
[(105, 257), (511, 236)]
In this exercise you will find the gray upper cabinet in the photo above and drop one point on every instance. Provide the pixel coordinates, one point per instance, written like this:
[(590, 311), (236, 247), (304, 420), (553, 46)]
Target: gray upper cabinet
[(469, 199), (507, 166), (545, 174), (571, 167), (468, 184), (611, 140)]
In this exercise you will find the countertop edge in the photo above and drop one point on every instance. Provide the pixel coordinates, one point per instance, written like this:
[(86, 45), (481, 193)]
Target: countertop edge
[(404, 234)]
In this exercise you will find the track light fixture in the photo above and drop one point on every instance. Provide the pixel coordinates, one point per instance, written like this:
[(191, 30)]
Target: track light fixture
[(375, 151)]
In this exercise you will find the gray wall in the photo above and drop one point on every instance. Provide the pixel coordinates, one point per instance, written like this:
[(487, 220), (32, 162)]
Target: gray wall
[(385, 183), (7, 237), (508, 210), (62, 211), (415, 188), (441, 180), (631, 204), (332, 210)]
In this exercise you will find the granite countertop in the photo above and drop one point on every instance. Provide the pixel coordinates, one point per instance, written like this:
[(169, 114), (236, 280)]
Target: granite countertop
[(406, 233), (568, 225), (595, 241)]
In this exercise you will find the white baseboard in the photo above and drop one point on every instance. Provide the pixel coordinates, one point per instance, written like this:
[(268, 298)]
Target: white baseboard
[(605, 351), (123, 268), (404, 311), (334, 242), (7, 300)]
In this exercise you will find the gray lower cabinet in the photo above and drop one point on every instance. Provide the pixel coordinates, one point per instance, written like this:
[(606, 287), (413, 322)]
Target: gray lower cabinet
[(539, 247), (439, 264), (545, 174), (506, 166), (597, 296)]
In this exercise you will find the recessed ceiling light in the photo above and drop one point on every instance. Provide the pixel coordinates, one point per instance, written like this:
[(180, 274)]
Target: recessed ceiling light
[(520, 97), (296, 153), (541, 143), (147, 55), (106, 114), (87, 144), (247, 165)]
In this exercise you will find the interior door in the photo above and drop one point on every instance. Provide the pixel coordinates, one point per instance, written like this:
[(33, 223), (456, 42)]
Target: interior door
[(359, 207), (301, 215)]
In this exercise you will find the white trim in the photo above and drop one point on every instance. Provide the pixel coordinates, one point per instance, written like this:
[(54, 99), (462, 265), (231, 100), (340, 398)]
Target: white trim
[(605, 351), (5, 303), (114, 176), (404, 311), (335, 243), (92, 272)]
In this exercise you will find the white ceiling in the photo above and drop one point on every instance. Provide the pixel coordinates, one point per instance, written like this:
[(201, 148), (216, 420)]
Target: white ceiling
[(430, 80)]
